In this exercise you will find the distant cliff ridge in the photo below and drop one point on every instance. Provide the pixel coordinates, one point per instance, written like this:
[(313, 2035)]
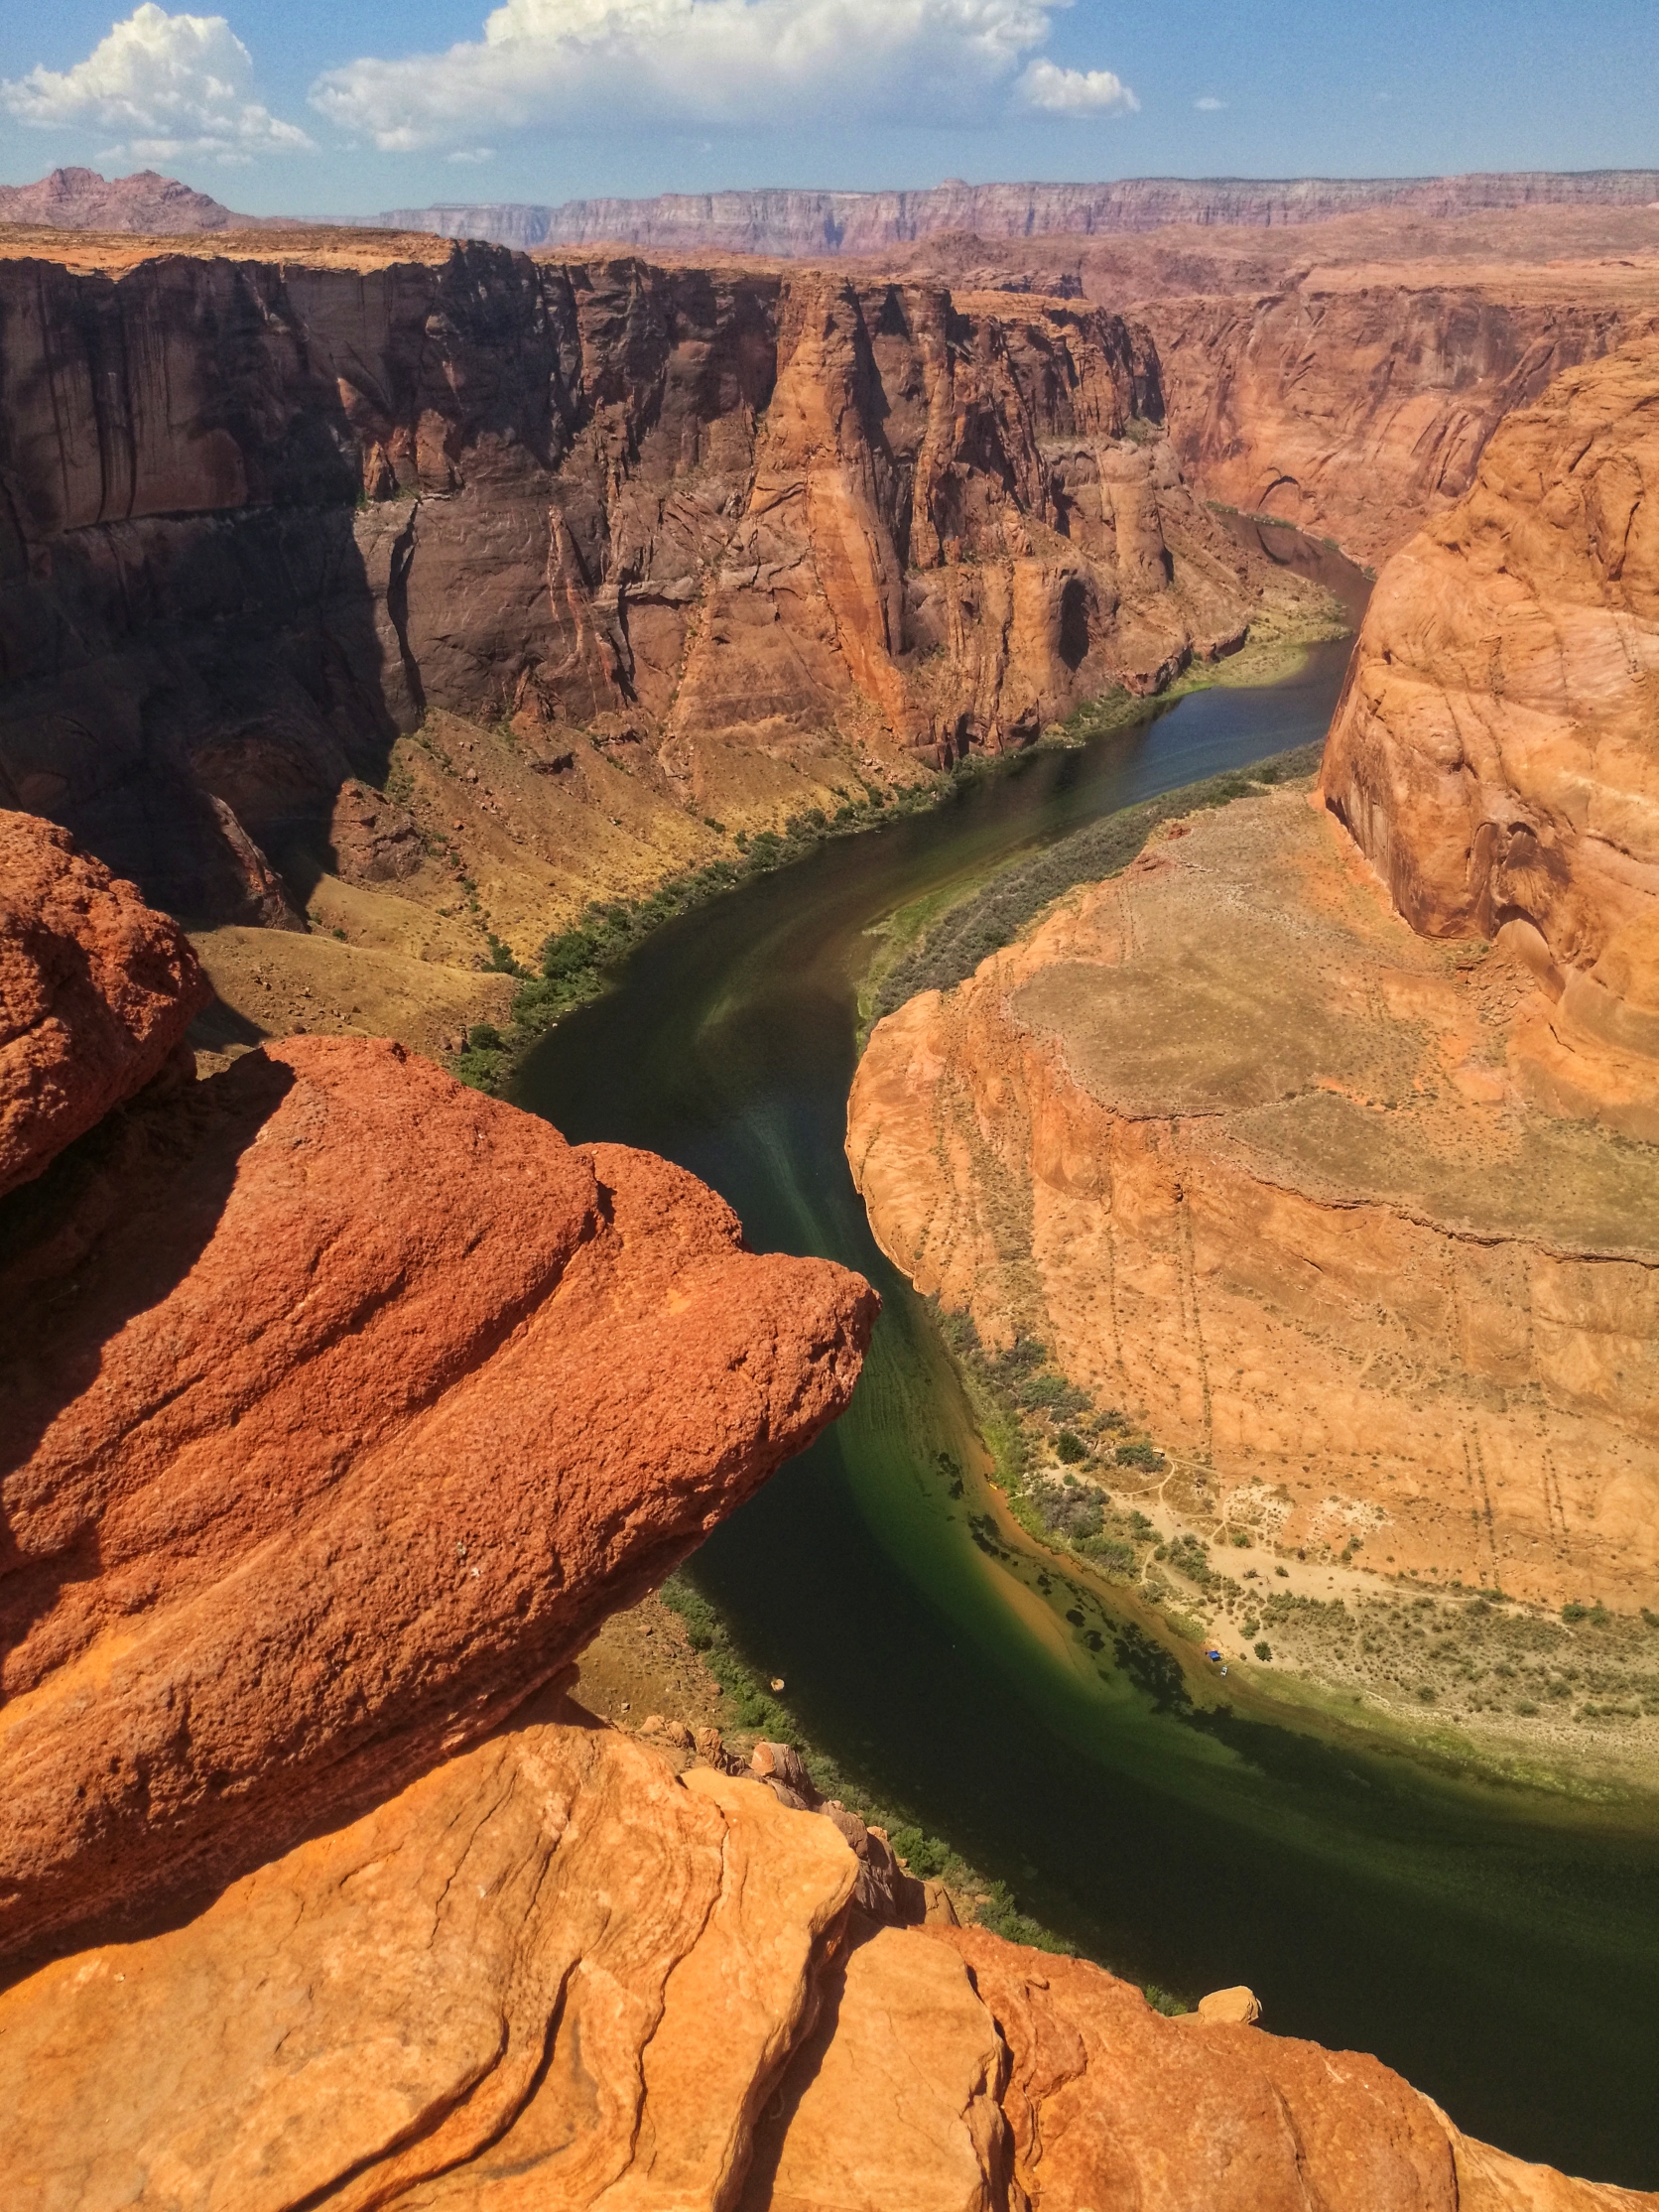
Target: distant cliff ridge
[(854, 222)]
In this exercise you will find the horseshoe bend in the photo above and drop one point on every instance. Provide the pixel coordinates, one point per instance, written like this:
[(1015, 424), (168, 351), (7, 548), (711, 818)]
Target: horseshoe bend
[(449, 690)]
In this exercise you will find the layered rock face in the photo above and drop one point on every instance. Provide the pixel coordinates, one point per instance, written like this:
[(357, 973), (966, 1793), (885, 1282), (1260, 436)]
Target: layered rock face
[(1245, 1150), (551, 1974), (1356, 403), (1495, 753), (735, 527), (1346, 376), (814, 223), (338, 1405)]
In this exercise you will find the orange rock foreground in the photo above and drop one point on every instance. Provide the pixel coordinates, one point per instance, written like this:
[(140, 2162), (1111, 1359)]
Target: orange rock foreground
[(338, 1405), (551, 1975)]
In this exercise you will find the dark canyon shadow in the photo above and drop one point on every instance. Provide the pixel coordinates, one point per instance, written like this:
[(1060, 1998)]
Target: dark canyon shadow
[(110, 1230)]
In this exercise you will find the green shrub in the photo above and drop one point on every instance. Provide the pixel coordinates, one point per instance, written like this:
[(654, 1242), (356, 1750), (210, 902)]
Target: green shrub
[(483, 1036), (567, 955), (1069, 1448), (1262, 1649), (1146, 1456)]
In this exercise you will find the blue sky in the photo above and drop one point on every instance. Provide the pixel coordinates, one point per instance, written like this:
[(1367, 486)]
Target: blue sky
[(348, 107)]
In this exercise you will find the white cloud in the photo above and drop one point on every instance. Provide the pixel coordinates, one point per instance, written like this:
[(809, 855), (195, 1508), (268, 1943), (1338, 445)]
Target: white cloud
[(165, 85), (1060, 91), (1209, 105), (598, 65), (471, 154)]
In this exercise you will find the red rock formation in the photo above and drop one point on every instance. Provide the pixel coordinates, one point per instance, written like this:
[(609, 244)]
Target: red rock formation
[(96, 993), (814, 224), (1494, 754), (427, 1392), (1356, 403), (737, 521), (551, 1973), (1346, 376)]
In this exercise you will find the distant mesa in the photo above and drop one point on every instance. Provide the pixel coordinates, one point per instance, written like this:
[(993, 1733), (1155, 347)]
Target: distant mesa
[(859, 223), (146, 203)]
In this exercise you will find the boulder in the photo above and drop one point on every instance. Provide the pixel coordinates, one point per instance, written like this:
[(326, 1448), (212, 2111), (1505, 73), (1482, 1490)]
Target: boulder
[(1240, 2007), (96, 992), (343, 1403)]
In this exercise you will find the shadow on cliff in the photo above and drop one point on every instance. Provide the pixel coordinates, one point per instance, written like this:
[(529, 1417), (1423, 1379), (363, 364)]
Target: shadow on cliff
[(198, 751), (112, 1227)]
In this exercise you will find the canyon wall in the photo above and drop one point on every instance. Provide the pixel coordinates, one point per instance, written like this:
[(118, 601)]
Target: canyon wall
[(1345, 377), (1495, 755), (346, 1404), (756, 535), (1356, 403), (814, 223)]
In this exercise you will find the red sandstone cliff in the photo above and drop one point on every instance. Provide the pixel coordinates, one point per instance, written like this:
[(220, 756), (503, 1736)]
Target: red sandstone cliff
[(1357, 1214), (1494, 754), (735, 526), (1346, 376)]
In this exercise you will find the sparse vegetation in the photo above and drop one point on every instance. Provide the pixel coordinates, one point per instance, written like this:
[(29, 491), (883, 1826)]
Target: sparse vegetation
[(981, 923)]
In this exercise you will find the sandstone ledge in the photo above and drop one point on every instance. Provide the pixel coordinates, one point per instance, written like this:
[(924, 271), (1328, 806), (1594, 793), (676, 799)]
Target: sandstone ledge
[(551, 1975), (1248, 1153)]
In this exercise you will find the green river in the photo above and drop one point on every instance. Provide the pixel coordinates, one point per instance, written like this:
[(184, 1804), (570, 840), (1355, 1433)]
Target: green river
[(1500, 1947)]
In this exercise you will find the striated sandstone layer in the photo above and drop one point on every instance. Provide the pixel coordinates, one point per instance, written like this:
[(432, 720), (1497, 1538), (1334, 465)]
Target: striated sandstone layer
[(1494, 751), (1356, 403), (1248, 1153), (338, 1405), (96, 992), (752, 535), (551, 1973)]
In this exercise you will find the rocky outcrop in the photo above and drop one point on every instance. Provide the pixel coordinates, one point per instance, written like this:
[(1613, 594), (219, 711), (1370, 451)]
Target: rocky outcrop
[(96, 993), (550, 1972), (340, 1403), (547, 1958), (1493, 753), (814, 224), (1244, 1150), (759, 536), (153, 205)]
